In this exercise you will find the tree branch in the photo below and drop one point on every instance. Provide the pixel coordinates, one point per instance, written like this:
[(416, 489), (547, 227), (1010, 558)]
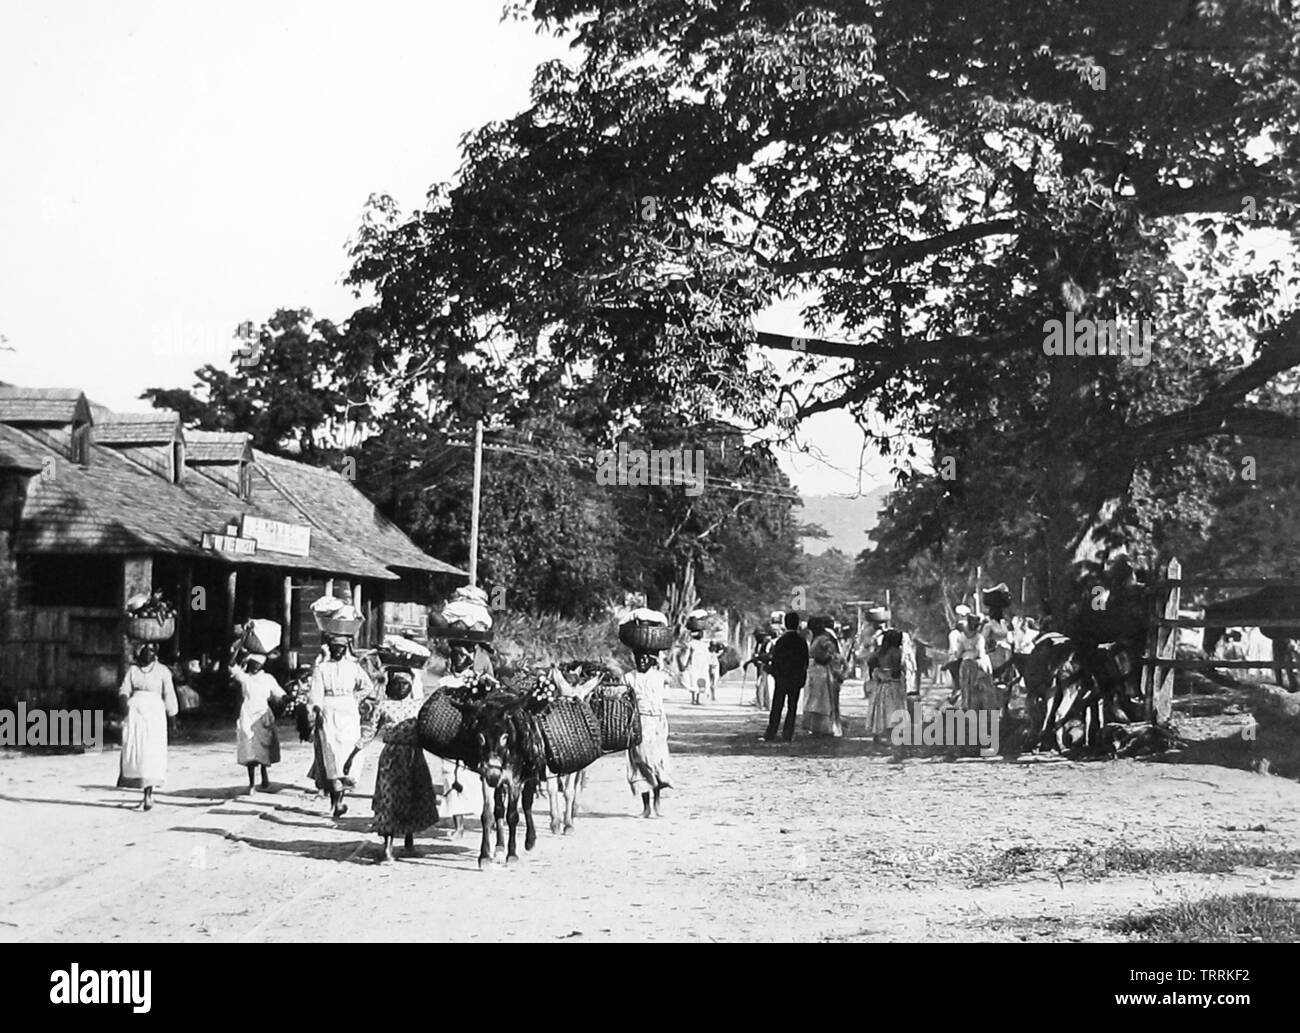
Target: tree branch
[(1221, 412), (910, 251)]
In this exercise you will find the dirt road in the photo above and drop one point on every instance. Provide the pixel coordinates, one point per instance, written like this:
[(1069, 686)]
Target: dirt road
[(815, 840)]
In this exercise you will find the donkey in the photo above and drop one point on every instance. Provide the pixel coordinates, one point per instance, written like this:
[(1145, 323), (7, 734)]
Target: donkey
[(1272, 601), (512, 762)]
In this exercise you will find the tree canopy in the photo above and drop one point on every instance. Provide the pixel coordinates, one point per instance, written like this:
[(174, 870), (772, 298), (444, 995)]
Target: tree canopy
[(936, 183)]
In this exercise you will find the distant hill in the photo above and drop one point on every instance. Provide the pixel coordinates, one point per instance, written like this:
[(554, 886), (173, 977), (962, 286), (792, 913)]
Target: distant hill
[(847, 520)]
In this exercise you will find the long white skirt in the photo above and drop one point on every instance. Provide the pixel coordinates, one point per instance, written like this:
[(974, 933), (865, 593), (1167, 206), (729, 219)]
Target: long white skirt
[(144, 743), (340, 731), (258, 741), (468, 803), (647, 764)]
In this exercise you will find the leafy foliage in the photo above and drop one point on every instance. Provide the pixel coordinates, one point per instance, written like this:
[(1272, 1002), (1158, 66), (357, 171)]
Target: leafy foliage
[(935, 182)]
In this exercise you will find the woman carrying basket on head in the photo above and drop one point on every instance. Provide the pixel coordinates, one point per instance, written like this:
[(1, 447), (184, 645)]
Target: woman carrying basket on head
[(647, 763), (149, 701), (335, 685), (462, 789)]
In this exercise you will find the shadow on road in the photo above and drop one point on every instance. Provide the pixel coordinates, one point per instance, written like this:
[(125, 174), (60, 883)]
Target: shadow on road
[(308, 848), (125, 804)]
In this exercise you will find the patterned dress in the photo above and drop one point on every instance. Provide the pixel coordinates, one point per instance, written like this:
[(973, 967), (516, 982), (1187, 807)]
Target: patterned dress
[(891, 692), (404, 802), (975, 675), (821, 709)]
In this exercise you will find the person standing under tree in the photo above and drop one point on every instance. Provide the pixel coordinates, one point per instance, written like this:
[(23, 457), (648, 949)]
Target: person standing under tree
[(789, 673), (956, 640), (885, 669), (761, 660), (821, 712), (149, 705), (999, 640), (258, 743)]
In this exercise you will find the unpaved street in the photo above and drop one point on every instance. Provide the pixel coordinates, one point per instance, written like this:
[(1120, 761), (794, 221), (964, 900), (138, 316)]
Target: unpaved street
[(759, 842)]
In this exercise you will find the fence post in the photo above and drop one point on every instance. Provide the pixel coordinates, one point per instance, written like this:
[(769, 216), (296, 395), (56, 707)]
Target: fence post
[(1162, 682), (1150, 653)]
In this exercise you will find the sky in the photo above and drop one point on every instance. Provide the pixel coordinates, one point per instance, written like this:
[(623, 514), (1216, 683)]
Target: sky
[(168, 170)]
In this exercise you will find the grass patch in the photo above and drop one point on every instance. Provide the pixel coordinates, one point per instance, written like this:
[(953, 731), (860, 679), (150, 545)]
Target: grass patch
[(1122, 859), (1235, 918)]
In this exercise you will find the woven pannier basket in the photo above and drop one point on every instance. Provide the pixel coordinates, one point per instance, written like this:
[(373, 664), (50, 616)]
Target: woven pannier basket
[(150, 629), (571, 734), (443, 730), (620, 721)]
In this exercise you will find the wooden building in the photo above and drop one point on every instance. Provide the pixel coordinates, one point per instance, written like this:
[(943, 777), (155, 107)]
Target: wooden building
[(97, 506)]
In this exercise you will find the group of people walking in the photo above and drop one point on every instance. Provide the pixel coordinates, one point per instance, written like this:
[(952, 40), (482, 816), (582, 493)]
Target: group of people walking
[(789, 662), (406, 798), (982, 649), (792, 658)]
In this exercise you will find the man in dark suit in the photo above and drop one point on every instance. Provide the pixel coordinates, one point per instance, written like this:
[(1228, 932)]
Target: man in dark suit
[(789, 668)]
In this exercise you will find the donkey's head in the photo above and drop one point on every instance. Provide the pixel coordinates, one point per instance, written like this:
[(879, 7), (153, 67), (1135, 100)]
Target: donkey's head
[(509, 747)]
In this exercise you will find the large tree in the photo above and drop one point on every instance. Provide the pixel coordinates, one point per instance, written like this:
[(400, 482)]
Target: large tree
[(552, 537), (937, 182)]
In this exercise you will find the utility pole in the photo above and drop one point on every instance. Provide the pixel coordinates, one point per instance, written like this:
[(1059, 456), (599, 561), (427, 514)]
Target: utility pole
[(478, 483)]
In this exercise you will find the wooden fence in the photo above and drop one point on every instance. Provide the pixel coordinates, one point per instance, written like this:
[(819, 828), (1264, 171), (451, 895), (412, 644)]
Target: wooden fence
[(60, 654), (1162, 660)]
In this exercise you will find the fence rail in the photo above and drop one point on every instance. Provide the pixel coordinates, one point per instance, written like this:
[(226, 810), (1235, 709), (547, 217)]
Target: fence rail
[(1160, 660), (1189, 663), (1225, 582), (1235, 622)]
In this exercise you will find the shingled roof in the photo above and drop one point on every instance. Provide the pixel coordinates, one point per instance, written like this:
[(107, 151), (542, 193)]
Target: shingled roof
[(16, 453), (43, 405), (136, 428), (216, 446), (119, 502), (335, 505)]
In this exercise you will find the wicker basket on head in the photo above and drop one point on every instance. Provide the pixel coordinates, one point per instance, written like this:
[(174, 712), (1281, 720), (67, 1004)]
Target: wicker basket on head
[(150, 629), (443, 730), (620, 721), (645, 637), (571, 733)]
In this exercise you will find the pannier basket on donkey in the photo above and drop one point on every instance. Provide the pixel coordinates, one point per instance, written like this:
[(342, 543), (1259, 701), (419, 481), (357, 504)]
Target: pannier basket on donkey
[(442, 729), (617, 714), (572, 735)]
